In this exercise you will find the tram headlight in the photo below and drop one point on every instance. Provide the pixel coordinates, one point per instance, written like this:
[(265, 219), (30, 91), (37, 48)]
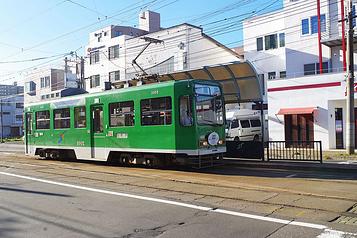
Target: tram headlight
[(220, 142), (204, 143)]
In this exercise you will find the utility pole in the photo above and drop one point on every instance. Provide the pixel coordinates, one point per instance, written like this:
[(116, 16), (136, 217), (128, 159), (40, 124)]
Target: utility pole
[(82, 84), (350, 125), (2, 127), (65, 71)]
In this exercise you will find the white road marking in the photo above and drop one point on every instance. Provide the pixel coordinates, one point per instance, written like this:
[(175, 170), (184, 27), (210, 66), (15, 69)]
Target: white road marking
[(291, 175), (335, 234), (327, 233)]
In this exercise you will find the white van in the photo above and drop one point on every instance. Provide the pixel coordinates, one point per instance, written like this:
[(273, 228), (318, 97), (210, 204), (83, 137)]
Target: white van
[(243, 125)]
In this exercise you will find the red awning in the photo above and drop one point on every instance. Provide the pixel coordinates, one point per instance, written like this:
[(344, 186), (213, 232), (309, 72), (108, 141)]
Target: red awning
[(297, 110)]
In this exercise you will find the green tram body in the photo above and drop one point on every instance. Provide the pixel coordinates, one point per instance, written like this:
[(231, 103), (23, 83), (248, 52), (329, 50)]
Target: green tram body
[(91, 132)]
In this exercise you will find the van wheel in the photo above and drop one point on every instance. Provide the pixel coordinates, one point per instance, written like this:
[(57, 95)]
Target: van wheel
[(256, 138), (236, 139)]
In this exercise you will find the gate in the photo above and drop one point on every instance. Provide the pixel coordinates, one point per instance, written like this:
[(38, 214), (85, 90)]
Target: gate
[(294, 151)]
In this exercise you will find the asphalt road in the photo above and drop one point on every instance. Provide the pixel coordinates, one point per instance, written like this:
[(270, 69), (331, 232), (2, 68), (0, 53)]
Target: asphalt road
[(48, 198), (36, 209)]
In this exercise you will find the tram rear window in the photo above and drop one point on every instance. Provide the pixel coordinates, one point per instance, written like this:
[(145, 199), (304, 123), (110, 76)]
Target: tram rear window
[(121, 114), (43, 120), (61, 118), (156, 111)]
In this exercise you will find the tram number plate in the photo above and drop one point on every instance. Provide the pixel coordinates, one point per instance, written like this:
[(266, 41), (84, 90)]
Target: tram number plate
[(122, 135), (80, 143), (155, 92)]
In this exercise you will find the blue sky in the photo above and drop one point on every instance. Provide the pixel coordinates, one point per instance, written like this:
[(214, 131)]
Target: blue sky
[(42, 28)]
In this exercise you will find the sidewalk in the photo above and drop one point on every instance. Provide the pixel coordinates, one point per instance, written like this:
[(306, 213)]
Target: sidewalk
[(349, 166)]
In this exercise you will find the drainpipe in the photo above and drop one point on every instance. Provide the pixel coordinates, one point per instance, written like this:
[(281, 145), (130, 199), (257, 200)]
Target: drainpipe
[(319, 34), (343, 36)]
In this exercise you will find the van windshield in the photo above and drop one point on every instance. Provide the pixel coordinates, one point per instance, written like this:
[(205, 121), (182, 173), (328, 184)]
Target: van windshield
[(209, 105)]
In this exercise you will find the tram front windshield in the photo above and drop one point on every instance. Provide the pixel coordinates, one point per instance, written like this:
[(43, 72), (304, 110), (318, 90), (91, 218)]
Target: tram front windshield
[(209, 105)]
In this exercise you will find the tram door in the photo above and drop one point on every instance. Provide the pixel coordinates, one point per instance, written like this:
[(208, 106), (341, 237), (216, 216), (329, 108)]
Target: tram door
[(28, 131), (97, 133)]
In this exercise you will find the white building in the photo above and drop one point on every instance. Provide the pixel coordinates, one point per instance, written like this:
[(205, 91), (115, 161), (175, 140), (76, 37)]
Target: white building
[(11, 110), (48, 84), (111, 51), (284, 48)]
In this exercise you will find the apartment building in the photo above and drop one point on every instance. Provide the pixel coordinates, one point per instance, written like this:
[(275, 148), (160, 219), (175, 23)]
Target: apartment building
[(302, 64), (49, 84), (112, 51)]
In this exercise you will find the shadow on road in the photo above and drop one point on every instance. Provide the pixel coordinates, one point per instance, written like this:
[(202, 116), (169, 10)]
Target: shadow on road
[(33, 192)]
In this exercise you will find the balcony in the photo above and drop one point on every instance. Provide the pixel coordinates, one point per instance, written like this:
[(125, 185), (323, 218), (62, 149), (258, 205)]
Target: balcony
[(332, 37)]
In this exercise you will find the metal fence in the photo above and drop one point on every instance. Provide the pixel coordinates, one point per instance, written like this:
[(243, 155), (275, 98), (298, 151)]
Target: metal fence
[(294, 150)]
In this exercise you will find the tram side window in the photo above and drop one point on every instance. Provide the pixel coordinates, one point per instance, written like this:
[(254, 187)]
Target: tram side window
[(156, 111), (186, 111), (121, 114), (61, 118), (43, 120), (79, 117)]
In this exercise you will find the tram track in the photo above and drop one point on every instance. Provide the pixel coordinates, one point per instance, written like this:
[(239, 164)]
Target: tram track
[(178, 180), (181, 185)]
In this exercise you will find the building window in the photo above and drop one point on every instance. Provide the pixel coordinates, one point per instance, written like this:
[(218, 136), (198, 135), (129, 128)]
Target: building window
[(113, 52), (94, 57), (282, 40), (43, 97), (271, 75), (43, 120), (259, 43), (19, 105), (117, 33), (79, 117), (94, 81), (324, 67), (45, 82), (314, 24), (18, 117), (114, 76), (305, 26), (57, 95), (61, 118), (309, 69), (121, 114), (271, 41), (156, 111), (282, 74)]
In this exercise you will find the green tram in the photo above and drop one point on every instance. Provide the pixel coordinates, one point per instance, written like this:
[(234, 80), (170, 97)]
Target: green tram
[(161, 123)]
